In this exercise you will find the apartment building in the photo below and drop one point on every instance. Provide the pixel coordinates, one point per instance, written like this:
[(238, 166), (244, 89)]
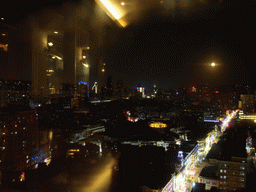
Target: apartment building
[(232, 174)]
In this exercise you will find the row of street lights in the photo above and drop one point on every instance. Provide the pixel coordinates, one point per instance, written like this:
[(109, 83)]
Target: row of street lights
[(178, 182)]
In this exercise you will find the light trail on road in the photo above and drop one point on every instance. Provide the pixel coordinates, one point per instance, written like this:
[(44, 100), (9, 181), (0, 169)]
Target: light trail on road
[(178, 183)]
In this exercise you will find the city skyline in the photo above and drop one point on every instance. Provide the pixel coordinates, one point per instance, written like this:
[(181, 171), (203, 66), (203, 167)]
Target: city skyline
[(127, 95)]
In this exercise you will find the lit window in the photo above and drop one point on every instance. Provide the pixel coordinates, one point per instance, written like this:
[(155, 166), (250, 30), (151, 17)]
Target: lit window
[(241, 179), (15, 132), (242, 168), (225, 177), (241, 173), (3, 147), (225, 170), (221, 170), (4, 125), (221, 177), (24, 127), (3, 133), (242, 185)]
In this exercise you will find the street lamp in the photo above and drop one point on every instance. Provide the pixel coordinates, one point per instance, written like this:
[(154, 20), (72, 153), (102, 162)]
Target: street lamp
[(213, 64), (50, 44)]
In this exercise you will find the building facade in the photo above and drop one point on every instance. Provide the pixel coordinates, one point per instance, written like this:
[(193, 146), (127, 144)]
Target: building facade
[(56, 50), (232, 174), (19, 138), (247, 102)]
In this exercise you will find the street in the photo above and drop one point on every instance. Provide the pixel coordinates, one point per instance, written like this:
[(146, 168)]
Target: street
[(185, 180)]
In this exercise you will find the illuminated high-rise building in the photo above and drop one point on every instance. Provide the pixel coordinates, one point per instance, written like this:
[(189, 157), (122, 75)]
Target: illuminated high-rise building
[(19, 138)]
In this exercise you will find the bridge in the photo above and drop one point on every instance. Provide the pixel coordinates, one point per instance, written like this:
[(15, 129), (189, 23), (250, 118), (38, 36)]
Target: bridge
[(89, 130), (164, 144)]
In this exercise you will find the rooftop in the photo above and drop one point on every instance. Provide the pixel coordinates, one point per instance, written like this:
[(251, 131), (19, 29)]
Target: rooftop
[(210, 172), (12, 108), (198, 187), (231, 144)]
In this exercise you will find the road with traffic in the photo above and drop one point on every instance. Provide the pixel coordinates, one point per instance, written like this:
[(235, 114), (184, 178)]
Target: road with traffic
[(188, 176)]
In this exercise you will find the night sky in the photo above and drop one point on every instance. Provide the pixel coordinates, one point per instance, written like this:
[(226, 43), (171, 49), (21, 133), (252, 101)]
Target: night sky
[(176, 51)]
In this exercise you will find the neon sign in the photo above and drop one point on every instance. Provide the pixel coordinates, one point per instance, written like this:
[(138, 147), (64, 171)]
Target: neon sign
[(82, 82)]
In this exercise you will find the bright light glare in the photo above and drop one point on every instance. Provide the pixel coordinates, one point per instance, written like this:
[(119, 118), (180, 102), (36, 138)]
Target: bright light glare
[(86, 65), (110, 8), (122, 22), (56, 32), (213, 64), (50, 44), (122, 3), (104, 178)]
